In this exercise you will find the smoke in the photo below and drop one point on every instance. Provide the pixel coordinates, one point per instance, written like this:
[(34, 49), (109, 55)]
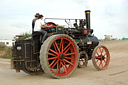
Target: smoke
[(82, 2), (108, 17)]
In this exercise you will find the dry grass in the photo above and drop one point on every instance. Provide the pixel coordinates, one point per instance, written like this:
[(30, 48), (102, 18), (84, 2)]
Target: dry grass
[(5, 52)]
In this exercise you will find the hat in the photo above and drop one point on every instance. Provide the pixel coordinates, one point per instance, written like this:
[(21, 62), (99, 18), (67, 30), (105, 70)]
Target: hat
[(37, 15), (41, 16)]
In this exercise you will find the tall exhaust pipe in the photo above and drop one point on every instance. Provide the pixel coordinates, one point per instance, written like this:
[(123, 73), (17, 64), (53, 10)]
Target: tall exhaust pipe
[(87, 14)]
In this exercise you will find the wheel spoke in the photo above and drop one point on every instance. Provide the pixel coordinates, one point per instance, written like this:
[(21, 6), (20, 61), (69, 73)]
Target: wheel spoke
[(106, 58), (65, 70), (66, 50), (70, 54), (101, 64), (101, 50), (105, 53), (68, 62), (54, 47), (53, 51), (61, 45), (57, 46), (68, 58), (51, 54), (59, 67), (97, 53), (96, 57), (52, 58), (97, 60), (104, 61), (65, 65), (52, 62), (67, 46), (55, 64)]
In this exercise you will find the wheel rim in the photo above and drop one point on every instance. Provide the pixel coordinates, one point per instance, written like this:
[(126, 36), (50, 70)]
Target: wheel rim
[(101, 57), (62, 56)]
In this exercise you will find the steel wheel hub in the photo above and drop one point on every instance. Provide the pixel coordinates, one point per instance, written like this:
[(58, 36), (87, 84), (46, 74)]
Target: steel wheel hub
[(103, 57), (61, 56)]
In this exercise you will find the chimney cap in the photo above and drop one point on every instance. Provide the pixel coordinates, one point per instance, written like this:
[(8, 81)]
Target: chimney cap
[(87, 11)]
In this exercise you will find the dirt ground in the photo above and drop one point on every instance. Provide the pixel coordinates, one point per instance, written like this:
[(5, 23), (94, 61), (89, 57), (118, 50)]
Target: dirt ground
[(115, 74)]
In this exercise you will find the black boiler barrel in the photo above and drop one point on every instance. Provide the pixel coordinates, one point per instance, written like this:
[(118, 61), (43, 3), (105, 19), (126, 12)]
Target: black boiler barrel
[(94, 41)]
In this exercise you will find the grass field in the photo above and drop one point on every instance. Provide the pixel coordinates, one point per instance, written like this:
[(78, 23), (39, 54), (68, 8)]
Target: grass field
[(5, 52)]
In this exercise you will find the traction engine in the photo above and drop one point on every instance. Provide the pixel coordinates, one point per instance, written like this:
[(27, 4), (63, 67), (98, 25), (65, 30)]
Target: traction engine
[(64, 50)]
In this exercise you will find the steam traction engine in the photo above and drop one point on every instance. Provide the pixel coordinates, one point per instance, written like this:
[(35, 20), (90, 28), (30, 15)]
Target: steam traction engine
[(62, 52)]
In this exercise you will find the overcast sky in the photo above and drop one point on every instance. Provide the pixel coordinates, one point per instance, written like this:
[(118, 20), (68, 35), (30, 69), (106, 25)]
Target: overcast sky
[(108, 17)]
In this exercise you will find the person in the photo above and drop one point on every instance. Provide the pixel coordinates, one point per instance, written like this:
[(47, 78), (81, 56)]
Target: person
[(34, 20), (39, 32)]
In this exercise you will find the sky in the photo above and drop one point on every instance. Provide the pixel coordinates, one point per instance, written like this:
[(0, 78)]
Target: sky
[(108, 17)]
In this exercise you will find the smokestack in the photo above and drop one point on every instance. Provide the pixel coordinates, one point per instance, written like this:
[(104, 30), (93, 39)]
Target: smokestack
[(87, 15)]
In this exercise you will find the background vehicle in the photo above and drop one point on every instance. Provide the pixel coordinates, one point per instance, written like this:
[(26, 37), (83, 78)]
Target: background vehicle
[(65, 49)]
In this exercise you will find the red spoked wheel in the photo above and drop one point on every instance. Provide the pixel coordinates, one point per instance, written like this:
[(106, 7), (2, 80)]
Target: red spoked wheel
[(59, 56), (100, 57)]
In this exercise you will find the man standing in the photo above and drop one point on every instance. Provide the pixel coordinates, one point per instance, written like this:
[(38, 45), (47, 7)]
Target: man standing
[(34, 20), (39, 32)]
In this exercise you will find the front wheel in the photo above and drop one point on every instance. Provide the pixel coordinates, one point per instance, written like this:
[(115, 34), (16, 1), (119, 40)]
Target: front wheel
[(59, 56), (100, 57)]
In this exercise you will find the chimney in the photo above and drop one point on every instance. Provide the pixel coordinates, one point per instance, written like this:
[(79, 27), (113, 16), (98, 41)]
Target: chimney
[(87, 15)]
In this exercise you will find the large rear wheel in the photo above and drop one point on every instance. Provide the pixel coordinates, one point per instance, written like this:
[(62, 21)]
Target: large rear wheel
[(100, 57), (59, 56)]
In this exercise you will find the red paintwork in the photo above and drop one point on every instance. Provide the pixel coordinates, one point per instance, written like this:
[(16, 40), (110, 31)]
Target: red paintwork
[(102, 57), (50, 23), (62, 67)]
